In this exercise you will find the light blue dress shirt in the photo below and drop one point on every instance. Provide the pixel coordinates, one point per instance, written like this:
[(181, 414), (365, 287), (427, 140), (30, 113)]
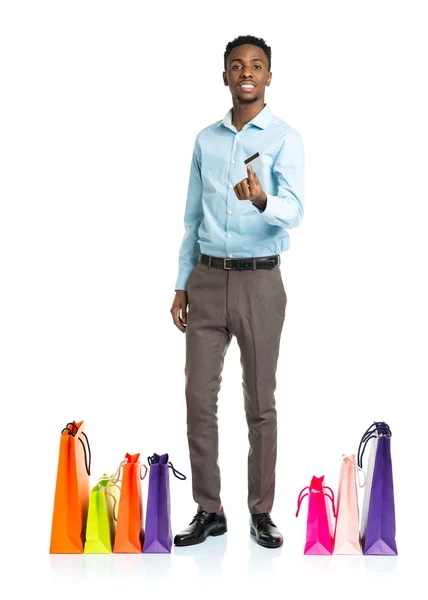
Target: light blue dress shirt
[(216, 222)]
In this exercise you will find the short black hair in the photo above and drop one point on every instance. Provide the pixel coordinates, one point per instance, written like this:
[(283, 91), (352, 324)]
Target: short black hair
[(248, 39)]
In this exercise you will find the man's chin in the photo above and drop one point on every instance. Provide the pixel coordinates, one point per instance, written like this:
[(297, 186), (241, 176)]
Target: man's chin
[(246, 99)]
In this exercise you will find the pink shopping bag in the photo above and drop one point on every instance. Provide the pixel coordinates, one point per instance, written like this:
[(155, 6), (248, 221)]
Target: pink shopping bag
[(347, 536), (319, 529)]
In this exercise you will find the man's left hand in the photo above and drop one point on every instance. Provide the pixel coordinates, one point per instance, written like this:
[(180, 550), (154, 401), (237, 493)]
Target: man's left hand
[(251, 189)]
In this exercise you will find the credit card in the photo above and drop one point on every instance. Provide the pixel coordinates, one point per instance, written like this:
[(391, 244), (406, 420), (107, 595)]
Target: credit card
[(255, 161)]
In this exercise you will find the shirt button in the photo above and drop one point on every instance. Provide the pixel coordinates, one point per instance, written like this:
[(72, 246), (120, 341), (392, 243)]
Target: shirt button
[(237, 137), (229, 212), (229, 235), (233, 161), (230, 185)]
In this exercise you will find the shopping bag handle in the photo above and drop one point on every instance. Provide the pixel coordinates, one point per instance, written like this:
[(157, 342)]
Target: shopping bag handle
[(378, 427), (142, 465), (114, 498), (116, 477), (66, 428), (103, 488), (360, 470), (152, 460), (112, 482), (300, 499), (331, 498), (363, 443), (88, 457), (176, 473), (367, 435)]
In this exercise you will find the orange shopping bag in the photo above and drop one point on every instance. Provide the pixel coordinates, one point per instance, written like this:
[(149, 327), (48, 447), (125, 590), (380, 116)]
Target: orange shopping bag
[(129, 528), (72, 491)]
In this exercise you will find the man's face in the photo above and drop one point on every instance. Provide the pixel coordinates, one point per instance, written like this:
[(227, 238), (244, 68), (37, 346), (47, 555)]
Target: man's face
[(247, 73)]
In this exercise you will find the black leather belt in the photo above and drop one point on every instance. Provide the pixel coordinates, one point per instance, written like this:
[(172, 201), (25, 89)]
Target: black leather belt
[(257, 262)]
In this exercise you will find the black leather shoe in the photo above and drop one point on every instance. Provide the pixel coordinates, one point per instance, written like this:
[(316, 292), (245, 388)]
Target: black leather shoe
[(202, 525), (265, 532)]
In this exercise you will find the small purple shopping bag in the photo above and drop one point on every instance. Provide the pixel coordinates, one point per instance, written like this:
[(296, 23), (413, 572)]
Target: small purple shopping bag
[(158, 532)]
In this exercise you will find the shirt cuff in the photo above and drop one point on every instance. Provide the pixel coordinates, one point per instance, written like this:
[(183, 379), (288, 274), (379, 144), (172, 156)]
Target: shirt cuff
[(183, 276), (273, 205), (181, 282)]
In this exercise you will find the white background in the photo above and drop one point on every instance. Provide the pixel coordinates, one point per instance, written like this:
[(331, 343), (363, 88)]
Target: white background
[(100, 106)]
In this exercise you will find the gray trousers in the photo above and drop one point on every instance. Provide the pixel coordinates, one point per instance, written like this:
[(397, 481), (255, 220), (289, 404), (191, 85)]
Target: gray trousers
[(251, 306)]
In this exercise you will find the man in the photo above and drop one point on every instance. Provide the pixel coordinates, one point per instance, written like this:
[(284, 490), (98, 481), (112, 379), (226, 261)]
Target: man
[(229, 283)]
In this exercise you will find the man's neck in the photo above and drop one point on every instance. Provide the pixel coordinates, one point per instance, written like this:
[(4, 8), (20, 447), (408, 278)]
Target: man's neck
[(244, 113)]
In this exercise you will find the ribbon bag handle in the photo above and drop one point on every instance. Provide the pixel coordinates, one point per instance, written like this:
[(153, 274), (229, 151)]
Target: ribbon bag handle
[(152, 460), (112, 482), (140, 467), (115, 505), (115, 478), (300, 499), (364, 441), (331, 498), (66, 428), (88, 457), (176, 473), (360, 470), (377, 428), (369, 434)]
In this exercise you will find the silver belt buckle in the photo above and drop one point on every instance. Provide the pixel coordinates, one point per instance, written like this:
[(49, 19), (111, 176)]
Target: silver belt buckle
[(224, 264)]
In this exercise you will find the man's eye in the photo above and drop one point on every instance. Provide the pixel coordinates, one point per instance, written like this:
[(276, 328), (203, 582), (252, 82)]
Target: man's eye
[(239, 66)]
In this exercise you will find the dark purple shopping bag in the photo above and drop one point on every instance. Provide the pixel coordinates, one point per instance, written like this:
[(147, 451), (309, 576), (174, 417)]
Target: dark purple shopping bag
[(379, 537), (158, 532)]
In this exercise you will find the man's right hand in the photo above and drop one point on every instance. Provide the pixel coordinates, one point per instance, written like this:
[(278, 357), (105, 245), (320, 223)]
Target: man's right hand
[(180, 306)]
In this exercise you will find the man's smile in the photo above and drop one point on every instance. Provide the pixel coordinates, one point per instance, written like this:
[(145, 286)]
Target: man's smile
[(247, 86)]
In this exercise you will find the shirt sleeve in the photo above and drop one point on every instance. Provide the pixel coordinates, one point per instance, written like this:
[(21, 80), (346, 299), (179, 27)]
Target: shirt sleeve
[(286, 209), (193, 215)]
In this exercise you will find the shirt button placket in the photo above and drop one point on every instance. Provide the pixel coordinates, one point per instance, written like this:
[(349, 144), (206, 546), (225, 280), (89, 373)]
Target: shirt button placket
[(230, 212)]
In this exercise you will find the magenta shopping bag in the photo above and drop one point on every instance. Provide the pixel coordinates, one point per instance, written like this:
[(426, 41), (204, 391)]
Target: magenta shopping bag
[(319, 528), (158, 532), (379, 535)]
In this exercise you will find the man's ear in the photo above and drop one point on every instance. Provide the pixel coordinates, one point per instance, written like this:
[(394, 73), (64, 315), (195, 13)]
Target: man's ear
[(225, 78)]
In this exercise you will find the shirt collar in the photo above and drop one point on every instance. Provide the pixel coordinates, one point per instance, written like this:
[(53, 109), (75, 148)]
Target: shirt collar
[(261, 120)]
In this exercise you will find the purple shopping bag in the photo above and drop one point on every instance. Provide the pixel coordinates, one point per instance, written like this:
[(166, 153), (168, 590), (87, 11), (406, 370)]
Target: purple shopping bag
[(379, 537), (158, 532)]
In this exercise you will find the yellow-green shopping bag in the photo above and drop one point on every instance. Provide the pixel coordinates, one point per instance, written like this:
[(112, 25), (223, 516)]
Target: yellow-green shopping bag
[(101, 524)]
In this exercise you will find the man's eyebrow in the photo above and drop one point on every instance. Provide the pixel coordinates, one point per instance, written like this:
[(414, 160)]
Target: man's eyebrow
[(242, 60)]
